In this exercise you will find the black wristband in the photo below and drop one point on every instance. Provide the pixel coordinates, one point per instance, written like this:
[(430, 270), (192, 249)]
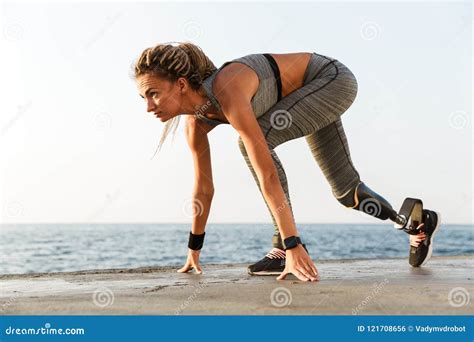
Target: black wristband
[(292, 242), (196, 241)]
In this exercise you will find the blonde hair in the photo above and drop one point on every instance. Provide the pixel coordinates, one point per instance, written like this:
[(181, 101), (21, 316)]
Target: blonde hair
[(171, 62)]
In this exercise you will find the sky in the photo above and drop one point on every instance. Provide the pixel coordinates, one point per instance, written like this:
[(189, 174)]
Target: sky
[(76, 141)]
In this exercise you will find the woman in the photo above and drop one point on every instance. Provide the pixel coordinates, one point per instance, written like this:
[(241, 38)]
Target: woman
[(268, 99)]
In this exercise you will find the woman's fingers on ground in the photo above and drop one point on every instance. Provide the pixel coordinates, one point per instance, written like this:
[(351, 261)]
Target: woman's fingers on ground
[(197, 268), (185, 268), (189, 267), (282, 276), (308, 272), (300, 275)]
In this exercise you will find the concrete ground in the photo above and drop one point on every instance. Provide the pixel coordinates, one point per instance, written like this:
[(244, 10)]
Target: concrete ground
[(347, 287)]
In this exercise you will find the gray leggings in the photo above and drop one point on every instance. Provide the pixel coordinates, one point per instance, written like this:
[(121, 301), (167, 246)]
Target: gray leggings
[(314, 112)]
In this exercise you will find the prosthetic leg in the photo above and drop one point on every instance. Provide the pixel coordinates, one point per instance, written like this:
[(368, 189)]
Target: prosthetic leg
[(412, 218)]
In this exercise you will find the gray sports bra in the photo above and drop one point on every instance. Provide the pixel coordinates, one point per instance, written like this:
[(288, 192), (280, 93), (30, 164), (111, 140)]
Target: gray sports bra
[(268, 92)]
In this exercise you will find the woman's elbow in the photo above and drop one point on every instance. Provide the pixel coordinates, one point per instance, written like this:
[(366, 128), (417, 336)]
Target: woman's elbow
[(207, 192)]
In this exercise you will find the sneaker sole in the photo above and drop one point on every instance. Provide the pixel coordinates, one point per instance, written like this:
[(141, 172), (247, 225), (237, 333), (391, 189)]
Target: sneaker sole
[(430, 248), (264, 273)]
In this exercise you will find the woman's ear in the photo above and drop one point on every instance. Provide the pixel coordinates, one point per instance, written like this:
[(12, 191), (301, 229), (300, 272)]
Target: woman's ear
[(182, 84)]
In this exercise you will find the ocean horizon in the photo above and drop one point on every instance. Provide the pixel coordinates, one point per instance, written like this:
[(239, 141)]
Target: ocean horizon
[(33, 248)]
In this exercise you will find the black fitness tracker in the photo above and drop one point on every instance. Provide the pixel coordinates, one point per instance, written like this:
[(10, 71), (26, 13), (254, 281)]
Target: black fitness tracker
[(195, 241), (292, 242)]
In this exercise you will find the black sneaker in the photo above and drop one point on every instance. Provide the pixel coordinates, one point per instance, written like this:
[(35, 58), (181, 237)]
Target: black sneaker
[(272, 264), (420, 251)]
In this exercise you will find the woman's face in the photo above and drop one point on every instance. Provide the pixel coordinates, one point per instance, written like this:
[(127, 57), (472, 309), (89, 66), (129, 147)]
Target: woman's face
[(163, 98)]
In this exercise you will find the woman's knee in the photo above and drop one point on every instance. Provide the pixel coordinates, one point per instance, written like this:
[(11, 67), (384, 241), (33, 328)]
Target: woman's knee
[(351, 84), (348, 199)]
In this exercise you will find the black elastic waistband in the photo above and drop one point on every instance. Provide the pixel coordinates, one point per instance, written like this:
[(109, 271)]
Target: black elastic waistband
[(276, 72)]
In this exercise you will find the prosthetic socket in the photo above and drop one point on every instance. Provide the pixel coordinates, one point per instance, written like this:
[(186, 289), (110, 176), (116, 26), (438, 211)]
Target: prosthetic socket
[(362, 198)]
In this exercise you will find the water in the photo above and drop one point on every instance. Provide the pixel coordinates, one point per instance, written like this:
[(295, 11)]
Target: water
[(72, 247)]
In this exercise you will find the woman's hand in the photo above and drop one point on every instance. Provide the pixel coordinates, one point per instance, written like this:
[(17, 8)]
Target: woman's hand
[(415, 240), (192, 262), (299, 263)]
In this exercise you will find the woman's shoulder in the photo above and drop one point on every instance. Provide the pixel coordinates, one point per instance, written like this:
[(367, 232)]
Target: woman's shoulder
[(236, 78)]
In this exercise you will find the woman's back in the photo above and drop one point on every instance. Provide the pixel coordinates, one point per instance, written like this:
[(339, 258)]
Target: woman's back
[(291, 68)]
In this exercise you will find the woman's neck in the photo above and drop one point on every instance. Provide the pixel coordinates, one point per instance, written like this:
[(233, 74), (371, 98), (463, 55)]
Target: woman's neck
[(204, 105)]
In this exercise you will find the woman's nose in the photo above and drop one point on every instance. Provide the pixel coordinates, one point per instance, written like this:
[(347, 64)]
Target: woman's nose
[(150, 106)]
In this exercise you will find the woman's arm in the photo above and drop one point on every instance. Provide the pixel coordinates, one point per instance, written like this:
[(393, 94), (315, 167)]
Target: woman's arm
[(234, 92), (203, 191)]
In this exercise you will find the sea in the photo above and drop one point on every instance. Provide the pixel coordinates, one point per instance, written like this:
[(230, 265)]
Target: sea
[(32, 248)]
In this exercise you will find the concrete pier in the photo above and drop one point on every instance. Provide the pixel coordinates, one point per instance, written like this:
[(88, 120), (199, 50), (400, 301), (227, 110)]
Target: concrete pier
[(347, 287)]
